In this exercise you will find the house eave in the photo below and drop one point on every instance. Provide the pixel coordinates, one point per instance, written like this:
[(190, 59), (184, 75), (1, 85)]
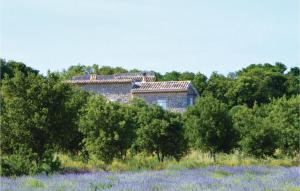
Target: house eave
[(83, 82), (158, 91)]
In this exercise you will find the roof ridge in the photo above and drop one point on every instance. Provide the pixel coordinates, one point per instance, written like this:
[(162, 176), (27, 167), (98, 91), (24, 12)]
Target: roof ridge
[(169, 81)]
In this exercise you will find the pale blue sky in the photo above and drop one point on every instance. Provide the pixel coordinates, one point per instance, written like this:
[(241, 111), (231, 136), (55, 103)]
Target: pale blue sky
[(160, 35)]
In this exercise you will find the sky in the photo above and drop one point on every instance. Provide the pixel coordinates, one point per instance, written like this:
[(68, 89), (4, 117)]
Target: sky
[(160, 35)]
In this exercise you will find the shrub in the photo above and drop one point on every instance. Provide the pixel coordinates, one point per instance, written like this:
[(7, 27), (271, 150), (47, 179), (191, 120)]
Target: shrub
[(19, 163), (25, 162)]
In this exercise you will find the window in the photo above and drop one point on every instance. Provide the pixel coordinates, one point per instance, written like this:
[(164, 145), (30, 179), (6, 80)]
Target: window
[(191, 101), (162, 103)]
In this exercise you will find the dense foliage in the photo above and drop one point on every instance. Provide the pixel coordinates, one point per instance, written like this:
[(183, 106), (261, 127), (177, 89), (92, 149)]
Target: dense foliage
[(254, 110), (38, 116), (160, 132), (264, 129), (108, 128), (209, 126)]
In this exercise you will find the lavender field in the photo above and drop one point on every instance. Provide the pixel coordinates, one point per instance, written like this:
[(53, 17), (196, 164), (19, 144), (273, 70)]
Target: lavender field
[(209, 178)]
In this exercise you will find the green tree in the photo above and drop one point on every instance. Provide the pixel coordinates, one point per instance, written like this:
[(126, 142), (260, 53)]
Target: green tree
[(161, 132), (217, 86), (9, 67), (119, 70), (200, 82), (283, 116), (258, 83), (293, 81), (171, 76), (23, 116), (38, 114), (271, 126), (208, 126), (63, 103), (76, 70), (105, 70), (108, 128), (186, 76), (278, 67), (158, 76), (256, 136)]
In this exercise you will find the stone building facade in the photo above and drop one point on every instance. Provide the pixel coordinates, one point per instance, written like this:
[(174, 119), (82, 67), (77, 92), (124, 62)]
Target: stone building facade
[(119, 92), (171, 95)]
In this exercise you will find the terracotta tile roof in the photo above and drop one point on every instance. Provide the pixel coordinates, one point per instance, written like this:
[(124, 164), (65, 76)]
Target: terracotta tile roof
[(165, 86), (99, 81), (115, 78), (139, 78)]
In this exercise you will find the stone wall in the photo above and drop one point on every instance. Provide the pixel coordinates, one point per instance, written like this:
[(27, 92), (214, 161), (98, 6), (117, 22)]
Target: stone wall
[(119, 92), (192, 94), (176, 101)]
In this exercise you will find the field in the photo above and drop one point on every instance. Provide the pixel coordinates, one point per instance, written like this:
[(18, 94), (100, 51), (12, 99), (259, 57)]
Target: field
[(206, 178), (195, 159)]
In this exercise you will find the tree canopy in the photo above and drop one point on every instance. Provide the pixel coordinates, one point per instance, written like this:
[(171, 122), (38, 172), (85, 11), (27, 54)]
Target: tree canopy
[(254, 110)]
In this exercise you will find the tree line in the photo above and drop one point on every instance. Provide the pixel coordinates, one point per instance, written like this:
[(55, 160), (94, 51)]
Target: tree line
[(254, 110)]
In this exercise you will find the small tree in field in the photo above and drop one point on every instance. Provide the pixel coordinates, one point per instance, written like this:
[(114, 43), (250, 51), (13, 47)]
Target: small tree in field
[(208, 126), (161, 132), (107, 127)]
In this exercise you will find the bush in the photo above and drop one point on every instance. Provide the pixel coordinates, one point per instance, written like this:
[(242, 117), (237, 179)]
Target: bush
[(25, 162), (50, 163), (19, 163)]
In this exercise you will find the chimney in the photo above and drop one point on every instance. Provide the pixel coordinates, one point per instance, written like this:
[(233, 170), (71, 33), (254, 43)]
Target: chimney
[(144, 77)]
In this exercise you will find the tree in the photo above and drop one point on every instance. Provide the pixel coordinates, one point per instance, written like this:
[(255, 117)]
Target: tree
[(217, 86), (39, 115), (76, 70), (271, 126), (258, 83), (24, 129), (293, 81), (108, 128), (119, 70), (158, 76), (200, 82), (23, 116), (171, 76), (8, 68), (186, 76), (63, 103), (161, 132), (256, 135), (208, 126), (40, 110), (278, 67), (283, 116)]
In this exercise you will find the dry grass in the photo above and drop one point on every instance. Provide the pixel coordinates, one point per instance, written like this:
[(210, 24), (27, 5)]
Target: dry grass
[(195, 159)]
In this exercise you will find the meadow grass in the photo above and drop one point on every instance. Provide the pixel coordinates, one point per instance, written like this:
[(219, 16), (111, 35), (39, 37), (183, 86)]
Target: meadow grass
[(32, 182), (195, 159)]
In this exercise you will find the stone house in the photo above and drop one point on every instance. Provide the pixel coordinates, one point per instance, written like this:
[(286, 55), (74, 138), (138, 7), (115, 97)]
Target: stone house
[(171, 95)]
